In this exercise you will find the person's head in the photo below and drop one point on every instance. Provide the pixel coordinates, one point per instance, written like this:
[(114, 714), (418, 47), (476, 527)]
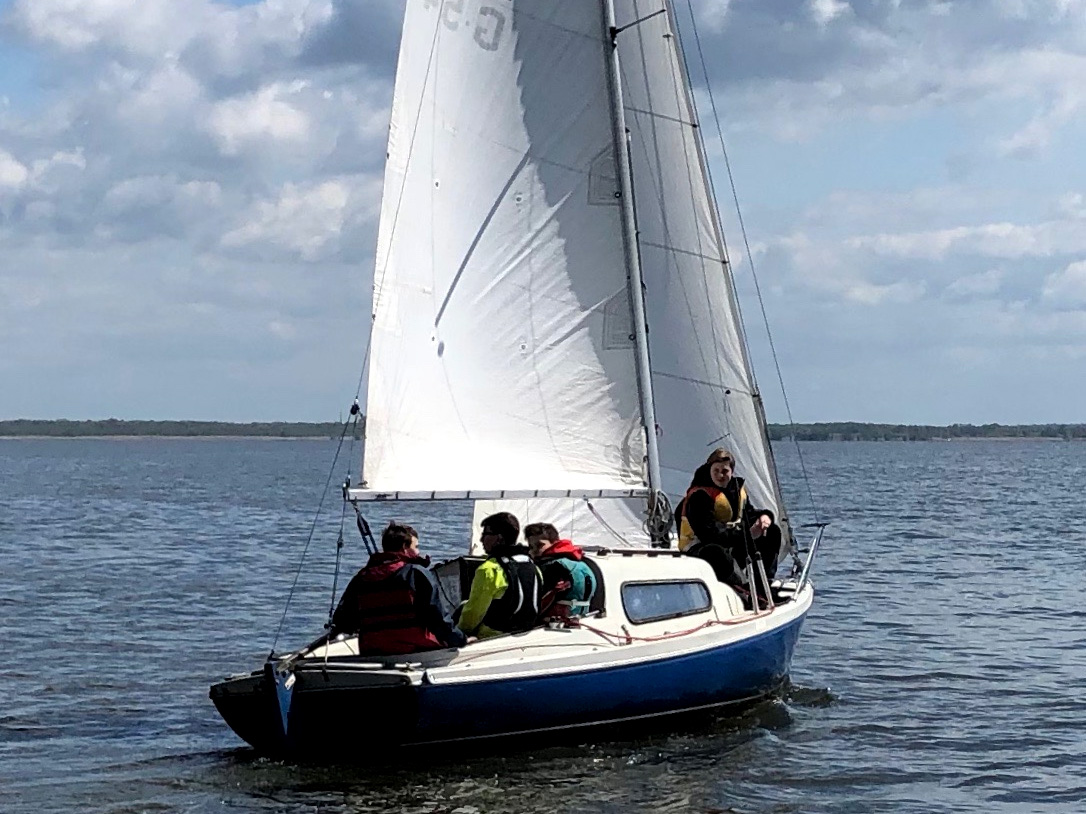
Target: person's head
[(501, 529), (721, 466), (540, 537), (400, 538)]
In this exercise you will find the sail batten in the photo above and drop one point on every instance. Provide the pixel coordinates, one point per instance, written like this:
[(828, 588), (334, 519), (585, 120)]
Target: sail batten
[(641, 112), (711, 258)]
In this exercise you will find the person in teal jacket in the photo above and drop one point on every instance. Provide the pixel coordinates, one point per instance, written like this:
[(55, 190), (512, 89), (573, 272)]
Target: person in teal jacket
[(506, 590), (561, 563)]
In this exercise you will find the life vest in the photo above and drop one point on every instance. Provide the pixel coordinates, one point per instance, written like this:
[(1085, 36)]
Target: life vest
[(567, 560), (564, 604), (388, 621), (723, 512), (518, 607)]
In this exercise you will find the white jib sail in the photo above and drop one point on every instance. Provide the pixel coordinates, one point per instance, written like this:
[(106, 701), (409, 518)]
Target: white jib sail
[(501, 355)]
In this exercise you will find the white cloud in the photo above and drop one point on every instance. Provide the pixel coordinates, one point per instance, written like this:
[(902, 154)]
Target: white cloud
[(229, 40), (13, 173), (1067, 288), (306, 221), (265, 114), (79, 25), (1072, 205), (983, 284), (50, 173), (1007, 240), (903, 291), (1020, 70), (162, 97), (714, 13), (146, 207), (826, 11)]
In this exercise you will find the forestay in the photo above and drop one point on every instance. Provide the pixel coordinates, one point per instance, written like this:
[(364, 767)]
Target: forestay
[(502, 352)]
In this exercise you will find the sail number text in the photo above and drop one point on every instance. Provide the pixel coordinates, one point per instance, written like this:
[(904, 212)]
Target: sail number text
[(489, 21)]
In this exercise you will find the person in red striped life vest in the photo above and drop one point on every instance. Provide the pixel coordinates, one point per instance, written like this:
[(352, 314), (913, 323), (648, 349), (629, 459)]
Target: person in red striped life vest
[(393, 604)]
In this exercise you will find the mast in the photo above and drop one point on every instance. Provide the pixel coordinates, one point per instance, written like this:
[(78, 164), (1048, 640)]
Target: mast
[(633, 258)]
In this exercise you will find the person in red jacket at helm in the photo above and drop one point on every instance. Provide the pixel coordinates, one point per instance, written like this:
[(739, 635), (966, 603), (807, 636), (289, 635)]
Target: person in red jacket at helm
[(393, 603)]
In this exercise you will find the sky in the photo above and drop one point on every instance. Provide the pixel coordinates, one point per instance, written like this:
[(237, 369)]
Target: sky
[(189, 193)]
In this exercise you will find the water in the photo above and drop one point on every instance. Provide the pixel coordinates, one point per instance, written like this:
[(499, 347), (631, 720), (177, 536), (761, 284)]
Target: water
[(941, 669)]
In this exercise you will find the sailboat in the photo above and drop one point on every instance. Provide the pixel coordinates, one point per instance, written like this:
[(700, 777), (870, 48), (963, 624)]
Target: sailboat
[(555, 334)]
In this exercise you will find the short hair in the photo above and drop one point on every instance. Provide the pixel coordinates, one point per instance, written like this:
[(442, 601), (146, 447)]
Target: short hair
[(721, 454), (541, 530), (397, 537), (503, 524)]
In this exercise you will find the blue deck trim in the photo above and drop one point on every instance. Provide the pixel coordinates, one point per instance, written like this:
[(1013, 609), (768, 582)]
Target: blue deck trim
[(729, 673)]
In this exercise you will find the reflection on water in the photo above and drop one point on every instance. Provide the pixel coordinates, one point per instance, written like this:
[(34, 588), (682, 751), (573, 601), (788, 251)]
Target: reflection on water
[(941, 668)]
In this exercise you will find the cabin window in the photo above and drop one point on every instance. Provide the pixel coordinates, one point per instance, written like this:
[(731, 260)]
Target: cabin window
[(653, 601)]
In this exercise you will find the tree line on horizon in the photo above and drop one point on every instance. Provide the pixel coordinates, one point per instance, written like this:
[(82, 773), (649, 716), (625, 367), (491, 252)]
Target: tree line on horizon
[(824, 431), (114, 427), (860, 431)]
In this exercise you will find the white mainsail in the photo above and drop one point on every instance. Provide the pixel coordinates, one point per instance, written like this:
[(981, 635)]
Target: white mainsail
[(502, 354)]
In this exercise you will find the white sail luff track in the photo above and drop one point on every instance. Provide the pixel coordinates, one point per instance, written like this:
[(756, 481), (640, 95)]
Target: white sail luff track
[(705, 395), (500, 355)]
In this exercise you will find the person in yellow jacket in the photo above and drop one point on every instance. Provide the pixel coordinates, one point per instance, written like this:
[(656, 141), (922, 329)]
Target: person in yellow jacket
[(507, 587)]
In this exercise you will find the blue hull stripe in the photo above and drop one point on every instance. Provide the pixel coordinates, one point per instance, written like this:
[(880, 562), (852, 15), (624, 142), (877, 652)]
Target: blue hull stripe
[(733, 672)]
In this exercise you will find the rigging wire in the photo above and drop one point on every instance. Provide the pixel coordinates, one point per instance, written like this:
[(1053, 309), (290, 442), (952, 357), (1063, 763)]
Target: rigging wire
[(607, 526), (750, 257), (355, 410), (313, 526)]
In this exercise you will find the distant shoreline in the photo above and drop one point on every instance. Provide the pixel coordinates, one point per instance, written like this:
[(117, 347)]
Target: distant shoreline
[(153, 437), (124, 429), (120, 429)]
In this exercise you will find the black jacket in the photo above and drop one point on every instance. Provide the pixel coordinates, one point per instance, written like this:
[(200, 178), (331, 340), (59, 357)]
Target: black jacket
[(698, 508)]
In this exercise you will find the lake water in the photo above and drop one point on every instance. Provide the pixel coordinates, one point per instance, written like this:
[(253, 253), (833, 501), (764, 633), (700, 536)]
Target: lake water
[(943, 667)]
